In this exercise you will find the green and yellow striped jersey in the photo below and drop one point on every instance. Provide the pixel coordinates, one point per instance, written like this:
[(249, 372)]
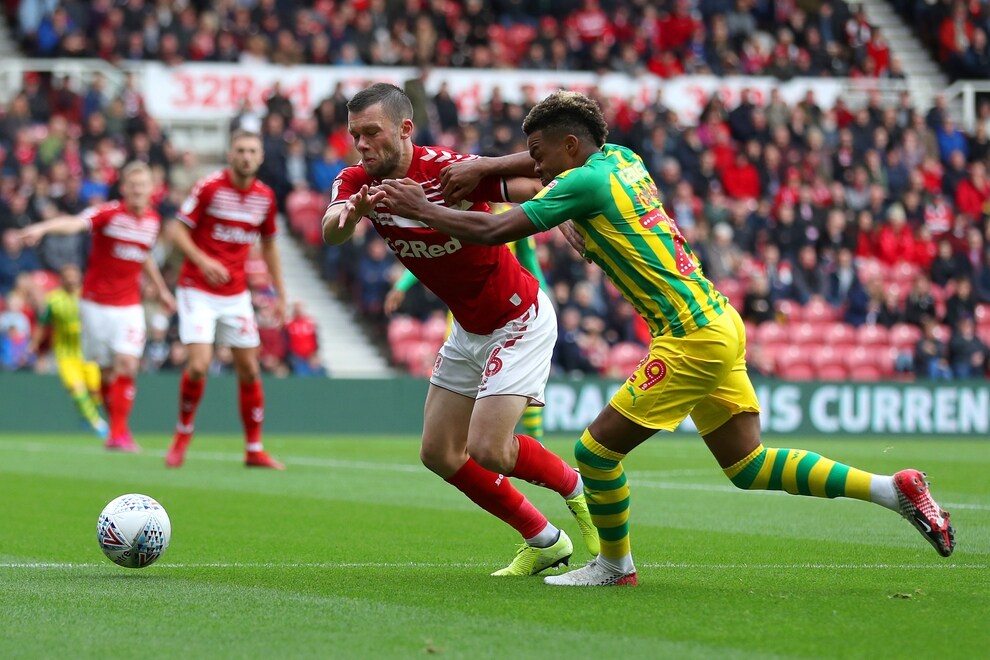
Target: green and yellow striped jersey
[(614, 204), (61, 313)]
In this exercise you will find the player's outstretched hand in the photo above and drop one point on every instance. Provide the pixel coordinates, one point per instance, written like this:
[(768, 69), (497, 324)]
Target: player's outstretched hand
[(393, 300), (214, 271), (460, 178), (30, 235), (404, 197), (574, 237), (359, 205)]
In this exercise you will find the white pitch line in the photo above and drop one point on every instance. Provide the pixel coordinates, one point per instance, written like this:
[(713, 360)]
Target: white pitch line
[(308, 461), (415, 565)]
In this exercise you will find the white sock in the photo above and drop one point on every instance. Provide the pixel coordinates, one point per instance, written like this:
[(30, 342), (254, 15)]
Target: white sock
[(578, 488), (547, 537), (255, 446), (622, 565), (882, 492)]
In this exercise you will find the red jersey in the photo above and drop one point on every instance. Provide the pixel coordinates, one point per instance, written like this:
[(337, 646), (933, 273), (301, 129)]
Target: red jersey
[(225, 222), (483, 285), (120, 244)]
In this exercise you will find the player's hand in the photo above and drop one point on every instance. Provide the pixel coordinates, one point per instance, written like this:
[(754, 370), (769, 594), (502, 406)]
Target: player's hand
[(278, 310), (460, 178), (404, 197), (574, 237), (359, 205), (393, 300), (167, 301), (30, 235), (214, 271)]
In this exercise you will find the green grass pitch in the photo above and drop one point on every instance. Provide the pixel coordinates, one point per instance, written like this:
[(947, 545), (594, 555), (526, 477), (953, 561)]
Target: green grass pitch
[(356, 551)]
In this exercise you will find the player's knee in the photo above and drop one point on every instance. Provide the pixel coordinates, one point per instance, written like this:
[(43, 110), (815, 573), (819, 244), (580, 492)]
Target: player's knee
[(195, 370), (493, 456), (438, 458)]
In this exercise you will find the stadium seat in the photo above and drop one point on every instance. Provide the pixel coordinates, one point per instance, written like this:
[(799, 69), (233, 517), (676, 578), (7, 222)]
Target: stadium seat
[(797, 372), (833, 371), (789, 310), (871, 335), (419, 357), (839, 333), (734, 290), (791, 355), (305, 209), (816, 311), (771, 332), (623, 358), (822, 355), (904, 335), (435, 329), (45, 280), (865, 373), (806, 333), (403, 328), (256, 269)]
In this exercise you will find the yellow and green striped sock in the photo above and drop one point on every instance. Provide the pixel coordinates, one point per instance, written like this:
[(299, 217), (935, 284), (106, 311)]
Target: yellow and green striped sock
[(532, 422), (607, 494), (86, 407), (799, 472)]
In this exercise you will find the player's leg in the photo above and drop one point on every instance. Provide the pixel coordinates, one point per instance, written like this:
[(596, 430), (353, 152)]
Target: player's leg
[(532, 422), (197, 329), (729, 422), (450, 408), (73, 376), (237, 328), (122, 393)]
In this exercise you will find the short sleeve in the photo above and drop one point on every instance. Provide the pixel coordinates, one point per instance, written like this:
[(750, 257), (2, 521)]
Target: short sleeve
[(269, 228), (192, 209), (348, 181), (571, 196), (95, 216)]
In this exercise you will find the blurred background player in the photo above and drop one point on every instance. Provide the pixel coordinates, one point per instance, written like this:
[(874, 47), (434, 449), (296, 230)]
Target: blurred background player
[(113, 324), (497, 358), (59, 321), (525, 251), (224, 215)]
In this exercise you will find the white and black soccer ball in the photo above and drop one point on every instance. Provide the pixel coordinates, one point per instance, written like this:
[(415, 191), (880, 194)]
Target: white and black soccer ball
[(133, 530)]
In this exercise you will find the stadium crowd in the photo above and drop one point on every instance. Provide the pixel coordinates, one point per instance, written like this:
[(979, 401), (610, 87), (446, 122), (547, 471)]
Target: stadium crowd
[(955, 32), (668, 38), (859, 228)]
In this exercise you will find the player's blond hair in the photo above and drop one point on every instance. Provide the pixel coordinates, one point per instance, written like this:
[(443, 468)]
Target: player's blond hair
[(568, 112), (133, 167), (241, 133)]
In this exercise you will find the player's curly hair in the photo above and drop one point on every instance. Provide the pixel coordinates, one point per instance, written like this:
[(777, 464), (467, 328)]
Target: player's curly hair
[(395, 103), (568, 112)]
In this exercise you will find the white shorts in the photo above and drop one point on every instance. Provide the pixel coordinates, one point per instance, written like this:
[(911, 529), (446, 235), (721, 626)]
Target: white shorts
[(108, 330), (515, 359), (205, 318)]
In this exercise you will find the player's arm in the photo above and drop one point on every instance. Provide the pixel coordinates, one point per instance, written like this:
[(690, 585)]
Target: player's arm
[(395, 296), (405, 197), (342, 216), (63, 224), (153, 273), (460, 178), (178, 234), (40, 330), (269, 252)]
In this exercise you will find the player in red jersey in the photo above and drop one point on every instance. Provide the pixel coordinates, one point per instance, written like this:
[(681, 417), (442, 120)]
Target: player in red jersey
[(113, 326), (224, 215), (497, 358)]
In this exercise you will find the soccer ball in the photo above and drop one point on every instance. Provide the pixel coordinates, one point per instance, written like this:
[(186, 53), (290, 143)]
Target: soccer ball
[(133, 530)]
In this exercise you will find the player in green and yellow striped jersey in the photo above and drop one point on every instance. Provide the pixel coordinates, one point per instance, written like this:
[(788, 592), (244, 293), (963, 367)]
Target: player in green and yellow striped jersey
[(61, 317), (696, 363)]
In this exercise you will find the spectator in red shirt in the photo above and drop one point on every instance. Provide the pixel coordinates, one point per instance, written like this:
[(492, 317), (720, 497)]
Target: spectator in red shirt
[(895, 241), (741, 180), (973, 194), (303, 343)]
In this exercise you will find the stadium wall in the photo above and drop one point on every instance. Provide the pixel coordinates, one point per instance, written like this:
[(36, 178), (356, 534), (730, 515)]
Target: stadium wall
[(31, 403)]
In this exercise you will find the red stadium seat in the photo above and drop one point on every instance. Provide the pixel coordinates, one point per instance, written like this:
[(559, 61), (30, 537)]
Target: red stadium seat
[(818, 311), (789, 310), (839, 334), (865, 373), (403, 328), (45, 280), (871, 335), (982, 315), (734, 290), (791, 355), (435, 329), (822, 355), (797, 372), (834, 371), (771, 332), (904, 335), (623, 358), (806, 333)]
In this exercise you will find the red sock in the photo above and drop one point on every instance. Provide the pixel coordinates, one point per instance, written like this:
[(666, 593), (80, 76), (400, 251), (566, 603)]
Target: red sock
[(190, 393), (495, 494), (540, 466), (121, 398), (105, 384), (252, 402)]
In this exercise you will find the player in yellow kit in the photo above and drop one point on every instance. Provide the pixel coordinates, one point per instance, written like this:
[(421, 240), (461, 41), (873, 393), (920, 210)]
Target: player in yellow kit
[(81, 378)]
